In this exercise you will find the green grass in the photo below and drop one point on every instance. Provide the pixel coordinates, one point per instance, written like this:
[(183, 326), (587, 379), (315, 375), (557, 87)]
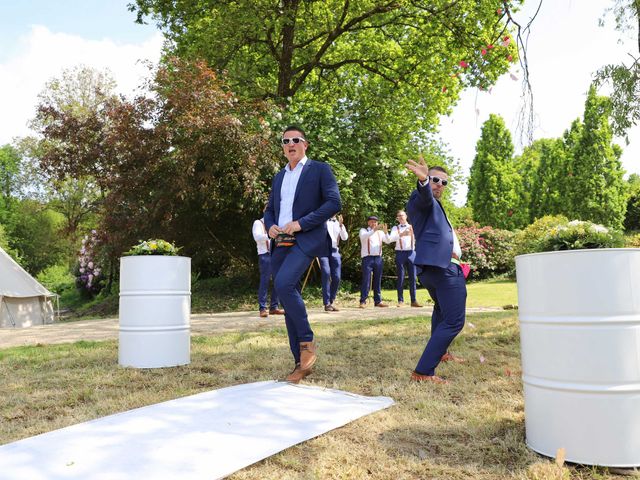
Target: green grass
[(472, 428), (487, 293)]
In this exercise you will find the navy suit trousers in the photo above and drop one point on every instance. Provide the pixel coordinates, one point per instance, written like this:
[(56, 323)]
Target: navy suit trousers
[(371, 264), (330, 274), (288, 264), (264, 263), (448, 290), (404, 259)]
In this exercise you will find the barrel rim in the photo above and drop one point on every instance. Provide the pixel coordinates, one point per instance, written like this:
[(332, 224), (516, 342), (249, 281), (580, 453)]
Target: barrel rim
[(582, 250)]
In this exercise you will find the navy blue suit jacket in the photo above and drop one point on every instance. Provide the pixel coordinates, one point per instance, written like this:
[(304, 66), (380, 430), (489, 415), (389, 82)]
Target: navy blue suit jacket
[(316, 200), (434, 235)]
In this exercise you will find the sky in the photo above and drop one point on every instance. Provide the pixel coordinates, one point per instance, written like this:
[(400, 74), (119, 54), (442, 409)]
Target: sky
[(40, 38)]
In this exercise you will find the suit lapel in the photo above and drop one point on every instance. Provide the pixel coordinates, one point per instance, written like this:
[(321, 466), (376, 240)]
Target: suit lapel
[(305, 171), (277, 185)]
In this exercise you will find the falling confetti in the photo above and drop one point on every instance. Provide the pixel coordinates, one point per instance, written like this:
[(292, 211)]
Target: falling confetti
[(513, 77), (482, 359)]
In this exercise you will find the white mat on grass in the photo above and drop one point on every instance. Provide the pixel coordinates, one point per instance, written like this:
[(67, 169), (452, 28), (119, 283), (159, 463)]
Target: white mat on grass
[(204, 436)]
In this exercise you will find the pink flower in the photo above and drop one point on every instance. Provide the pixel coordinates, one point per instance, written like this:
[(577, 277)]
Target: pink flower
[(499, 11), (483, 52), (490, 46), (506, 41), (444, 89), (463, 64), (509, 58)]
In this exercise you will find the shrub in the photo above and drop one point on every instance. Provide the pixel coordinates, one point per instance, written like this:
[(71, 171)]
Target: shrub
[(633, 241), (57, 278), (487, 249), (530, 239), (88, 272)]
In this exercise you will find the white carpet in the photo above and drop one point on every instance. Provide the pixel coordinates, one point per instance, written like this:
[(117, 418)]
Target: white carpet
[(204, 436)]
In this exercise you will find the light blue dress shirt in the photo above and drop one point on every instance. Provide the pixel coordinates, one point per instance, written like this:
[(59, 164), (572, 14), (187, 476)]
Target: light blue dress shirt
[(288, 191)]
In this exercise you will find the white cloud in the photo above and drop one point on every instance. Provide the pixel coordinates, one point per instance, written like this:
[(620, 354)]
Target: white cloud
[(43, 54)]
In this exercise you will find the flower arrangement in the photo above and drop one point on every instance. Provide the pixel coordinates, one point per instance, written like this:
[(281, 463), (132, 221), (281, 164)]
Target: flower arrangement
[(88, 272), (579, 234), (153, 247)]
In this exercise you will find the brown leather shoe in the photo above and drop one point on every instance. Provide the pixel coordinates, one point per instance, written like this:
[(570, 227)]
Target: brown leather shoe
[(276, 311), (400, 304), (307, 355), (416, 304), (296, 375), (263, 313), (448, 357), (362, 305), (418, 377), (381, 305), (330, 308)]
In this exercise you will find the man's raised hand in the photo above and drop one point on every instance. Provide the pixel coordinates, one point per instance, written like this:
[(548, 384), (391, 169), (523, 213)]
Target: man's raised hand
[(419, 168)]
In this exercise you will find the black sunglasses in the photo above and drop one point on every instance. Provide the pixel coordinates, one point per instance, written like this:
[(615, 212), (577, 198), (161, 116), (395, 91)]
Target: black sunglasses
[(438, 180), (287, 141)]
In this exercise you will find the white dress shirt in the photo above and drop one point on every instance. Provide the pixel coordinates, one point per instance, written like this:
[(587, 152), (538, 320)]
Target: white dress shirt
[(336, 231), (402, 243), (371, 242), (260, 236), (288, 191)]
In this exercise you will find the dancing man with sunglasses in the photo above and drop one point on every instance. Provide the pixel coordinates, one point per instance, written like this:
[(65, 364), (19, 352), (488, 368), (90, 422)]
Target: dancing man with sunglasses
[(304, 195), (438, 267)]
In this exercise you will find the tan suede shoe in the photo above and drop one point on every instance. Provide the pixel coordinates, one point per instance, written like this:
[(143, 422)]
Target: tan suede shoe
[(297, 375), (418, 377), (307, 355)]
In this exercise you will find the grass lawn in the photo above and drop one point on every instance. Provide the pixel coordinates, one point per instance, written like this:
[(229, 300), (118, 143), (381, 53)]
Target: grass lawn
[(472, 428), (487, 293)]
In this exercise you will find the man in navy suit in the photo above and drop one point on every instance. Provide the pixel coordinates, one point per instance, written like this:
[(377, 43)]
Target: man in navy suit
[(438, 265), (304, 195)]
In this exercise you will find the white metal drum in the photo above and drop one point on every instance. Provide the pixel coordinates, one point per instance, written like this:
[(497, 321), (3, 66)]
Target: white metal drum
[(155, 307), (580, 332)]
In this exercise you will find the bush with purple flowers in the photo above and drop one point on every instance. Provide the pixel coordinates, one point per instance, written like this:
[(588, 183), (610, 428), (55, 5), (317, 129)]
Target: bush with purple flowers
[(89, 276)]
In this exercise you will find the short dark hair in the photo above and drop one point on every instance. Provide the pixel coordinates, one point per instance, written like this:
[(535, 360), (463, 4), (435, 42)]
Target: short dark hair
[(438, 168), (295, 128)]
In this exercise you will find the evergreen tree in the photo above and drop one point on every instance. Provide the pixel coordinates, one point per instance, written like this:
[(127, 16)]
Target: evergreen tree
[(598, 191), (550, 179), (632, 218), (495, 187)]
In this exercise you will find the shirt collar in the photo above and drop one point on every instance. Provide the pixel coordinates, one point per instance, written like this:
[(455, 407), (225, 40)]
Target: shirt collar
[(301, 162)]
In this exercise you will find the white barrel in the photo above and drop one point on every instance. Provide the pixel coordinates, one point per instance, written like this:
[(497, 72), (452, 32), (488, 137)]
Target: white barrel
[(155, 307), (580, 333)]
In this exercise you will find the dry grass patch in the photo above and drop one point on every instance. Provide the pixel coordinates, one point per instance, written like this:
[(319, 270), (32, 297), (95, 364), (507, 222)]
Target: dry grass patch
[(472, 428)]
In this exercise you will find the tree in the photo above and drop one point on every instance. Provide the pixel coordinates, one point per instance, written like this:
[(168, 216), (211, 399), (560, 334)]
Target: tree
[(494, 184), (9, 173), (368, 80), (624, 79), (597, 188), (549, 178), (188, 162), (632, 218)]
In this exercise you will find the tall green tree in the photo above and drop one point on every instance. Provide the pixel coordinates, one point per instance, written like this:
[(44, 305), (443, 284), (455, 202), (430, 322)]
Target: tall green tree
[(598, 191), (495, 188), (549, 180), (368, 79), (9, 180)]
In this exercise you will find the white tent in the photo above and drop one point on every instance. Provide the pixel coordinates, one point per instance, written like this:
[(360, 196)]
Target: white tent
[(23, 301)]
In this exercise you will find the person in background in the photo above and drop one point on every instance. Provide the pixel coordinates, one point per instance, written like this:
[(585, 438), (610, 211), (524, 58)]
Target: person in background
[(331, 266), (263, 244), (304, 195), (371, 240), (403, 235), (438, 266)]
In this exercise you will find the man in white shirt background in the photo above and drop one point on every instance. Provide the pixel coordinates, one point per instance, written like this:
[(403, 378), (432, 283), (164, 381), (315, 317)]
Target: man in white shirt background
[(331, 266), (263, 244), (405, 254), (371, 240)]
